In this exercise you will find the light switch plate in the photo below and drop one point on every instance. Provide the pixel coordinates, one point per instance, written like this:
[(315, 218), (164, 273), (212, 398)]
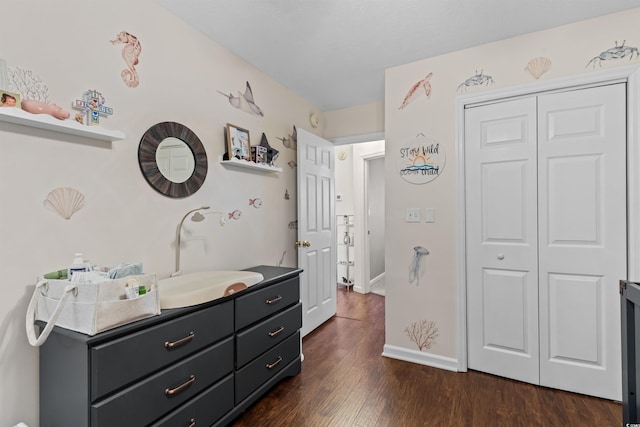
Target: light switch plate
[(430, 215), (413, 214)]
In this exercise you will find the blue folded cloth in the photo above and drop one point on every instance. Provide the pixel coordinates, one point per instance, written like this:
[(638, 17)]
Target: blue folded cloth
[(125, 269)]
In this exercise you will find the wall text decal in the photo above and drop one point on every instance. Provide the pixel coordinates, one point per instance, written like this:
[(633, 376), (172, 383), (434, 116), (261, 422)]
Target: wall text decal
[(421, 160)]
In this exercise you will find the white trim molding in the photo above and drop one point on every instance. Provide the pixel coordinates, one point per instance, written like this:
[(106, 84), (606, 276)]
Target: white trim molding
[(627, 74), (420, 357), (366, 137)]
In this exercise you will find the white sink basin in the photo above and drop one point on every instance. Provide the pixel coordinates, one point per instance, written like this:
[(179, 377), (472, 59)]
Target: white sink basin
[(204, 286)]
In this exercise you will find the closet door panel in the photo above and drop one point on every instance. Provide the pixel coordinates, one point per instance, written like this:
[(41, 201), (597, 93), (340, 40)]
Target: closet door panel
[(502, 272), (582, 247), (574, 201)]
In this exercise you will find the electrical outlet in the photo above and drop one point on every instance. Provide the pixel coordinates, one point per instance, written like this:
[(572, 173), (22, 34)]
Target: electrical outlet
[(413, 214)]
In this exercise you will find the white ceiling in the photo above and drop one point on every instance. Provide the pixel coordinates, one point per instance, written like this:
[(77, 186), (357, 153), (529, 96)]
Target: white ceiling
[(333, 53)]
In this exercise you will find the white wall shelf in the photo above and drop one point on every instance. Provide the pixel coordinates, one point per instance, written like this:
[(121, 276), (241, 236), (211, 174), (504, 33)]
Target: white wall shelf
[(249, 165), (47, 122)]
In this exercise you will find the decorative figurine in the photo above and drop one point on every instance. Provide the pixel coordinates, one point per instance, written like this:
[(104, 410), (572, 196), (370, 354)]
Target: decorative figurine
[(272, 153), (37, 107), (92, 105)]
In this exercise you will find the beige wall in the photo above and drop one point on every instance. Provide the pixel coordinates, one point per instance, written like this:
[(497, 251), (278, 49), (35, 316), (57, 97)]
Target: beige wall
[(359, 120), (570, 48), (180, 72), (124, 219)]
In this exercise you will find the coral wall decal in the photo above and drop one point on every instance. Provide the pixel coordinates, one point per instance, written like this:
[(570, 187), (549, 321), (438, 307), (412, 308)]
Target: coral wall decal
[(616, 52), (538, 66), (422, 333), (413, 92), (130, 53), (27, 84), (476, 80)]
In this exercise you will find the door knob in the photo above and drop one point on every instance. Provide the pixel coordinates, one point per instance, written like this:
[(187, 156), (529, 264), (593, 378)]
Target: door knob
[(500, 257), (302, 244)]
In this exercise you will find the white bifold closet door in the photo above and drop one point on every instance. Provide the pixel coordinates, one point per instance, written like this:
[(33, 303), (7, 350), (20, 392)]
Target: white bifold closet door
[(546, 238)]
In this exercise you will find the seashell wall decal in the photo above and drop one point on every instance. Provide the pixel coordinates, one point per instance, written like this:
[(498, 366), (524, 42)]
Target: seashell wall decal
[(65, 201), (538, 66)]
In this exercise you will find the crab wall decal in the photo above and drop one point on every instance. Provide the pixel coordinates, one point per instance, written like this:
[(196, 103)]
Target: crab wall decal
[(616, 52), (476, 80)]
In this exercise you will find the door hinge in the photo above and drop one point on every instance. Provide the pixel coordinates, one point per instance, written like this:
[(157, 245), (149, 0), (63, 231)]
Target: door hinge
[(623, 286)]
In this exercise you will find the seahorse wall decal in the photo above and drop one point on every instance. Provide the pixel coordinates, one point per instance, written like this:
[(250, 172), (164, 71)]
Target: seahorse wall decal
[(130, 53)]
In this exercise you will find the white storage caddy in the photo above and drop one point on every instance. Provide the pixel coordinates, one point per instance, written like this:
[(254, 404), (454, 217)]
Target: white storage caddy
[(89, 308)]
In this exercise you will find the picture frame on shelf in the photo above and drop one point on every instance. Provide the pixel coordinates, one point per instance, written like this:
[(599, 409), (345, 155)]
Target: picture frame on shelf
[(238, 142), (9, 99)]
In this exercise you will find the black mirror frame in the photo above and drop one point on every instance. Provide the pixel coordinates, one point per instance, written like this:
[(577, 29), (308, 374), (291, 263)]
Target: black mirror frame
[(148, 166)]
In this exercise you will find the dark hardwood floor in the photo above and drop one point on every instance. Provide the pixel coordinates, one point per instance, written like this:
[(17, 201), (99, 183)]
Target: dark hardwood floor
[(346, 382)]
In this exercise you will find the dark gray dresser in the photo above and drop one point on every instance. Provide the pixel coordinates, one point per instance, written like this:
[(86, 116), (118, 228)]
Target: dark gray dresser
[(194, 366)]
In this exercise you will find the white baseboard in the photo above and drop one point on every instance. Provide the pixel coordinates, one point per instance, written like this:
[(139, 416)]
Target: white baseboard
[(420, 357), (376, 279)]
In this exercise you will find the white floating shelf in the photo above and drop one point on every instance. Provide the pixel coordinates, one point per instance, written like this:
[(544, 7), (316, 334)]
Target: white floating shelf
[(249, 165), (45, 121)]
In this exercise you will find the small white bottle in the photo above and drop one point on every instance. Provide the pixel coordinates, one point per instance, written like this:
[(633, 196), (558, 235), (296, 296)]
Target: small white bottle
[(77, 265)]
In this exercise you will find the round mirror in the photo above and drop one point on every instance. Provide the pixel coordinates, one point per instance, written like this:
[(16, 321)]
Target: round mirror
[(172, 159), (175, 160)]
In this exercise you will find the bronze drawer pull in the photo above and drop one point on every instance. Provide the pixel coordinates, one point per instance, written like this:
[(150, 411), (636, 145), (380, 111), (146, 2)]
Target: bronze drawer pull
[(273, 365), (172, 391), (272, 301), (193, 423), (274, 333), (181, 341)]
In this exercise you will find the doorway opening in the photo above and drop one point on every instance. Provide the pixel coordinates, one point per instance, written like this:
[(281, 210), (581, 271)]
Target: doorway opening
[(359, 181)]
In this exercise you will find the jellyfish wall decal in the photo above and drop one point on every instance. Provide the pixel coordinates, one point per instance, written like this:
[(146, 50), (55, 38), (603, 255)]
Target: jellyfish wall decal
[(416, 269)]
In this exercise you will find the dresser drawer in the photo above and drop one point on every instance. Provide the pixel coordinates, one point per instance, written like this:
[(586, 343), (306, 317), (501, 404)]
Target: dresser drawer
[(164, 391), (265, 302), (203, 410), (252, 376), (257, 339), (147, 351)]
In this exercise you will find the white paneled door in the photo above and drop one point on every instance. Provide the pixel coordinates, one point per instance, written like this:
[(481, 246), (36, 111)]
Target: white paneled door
[(502, 239), (546, 238), (316, 228)]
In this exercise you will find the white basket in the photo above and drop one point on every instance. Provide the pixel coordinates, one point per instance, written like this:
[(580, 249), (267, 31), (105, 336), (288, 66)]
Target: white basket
[(91, 308)]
